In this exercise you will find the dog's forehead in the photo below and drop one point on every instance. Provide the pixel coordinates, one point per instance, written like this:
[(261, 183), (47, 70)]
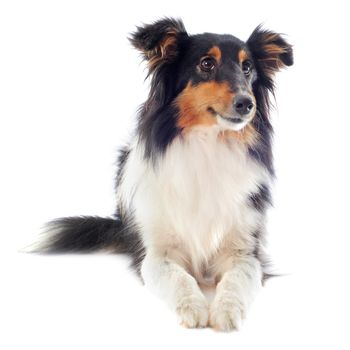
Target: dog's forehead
[(227, 44)]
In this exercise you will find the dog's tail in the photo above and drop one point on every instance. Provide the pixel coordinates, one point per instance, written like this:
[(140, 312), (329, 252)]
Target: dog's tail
[(87, 234)]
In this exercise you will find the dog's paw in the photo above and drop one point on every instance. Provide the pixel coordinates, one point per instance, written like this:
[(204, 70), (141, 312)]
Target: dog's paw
[(226, 315), (193, 311)]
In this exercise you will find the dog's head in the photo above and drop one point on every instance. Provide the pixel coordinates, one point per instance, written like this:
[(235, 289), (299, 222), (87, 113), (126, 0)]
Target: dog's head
[(211, 79)]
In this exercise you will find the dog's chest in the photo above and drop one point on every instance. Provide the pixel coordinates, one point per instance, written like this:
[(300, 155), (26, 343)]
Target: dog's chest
[(198, 193)]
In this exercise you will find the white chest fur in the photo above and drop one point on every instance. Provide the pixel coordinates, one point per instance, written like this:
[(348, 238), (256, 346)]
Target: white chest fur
[(195, 197)]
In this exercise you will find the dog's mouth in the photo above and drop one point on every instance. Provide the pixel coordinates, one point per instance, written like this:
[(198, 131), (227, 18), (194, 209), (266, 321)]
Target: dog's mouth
[(234, 122)]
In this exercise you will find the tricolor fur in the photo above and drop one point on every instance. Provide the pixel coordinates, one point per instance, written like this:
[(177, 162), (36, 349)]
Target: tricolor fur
[(194, 183)]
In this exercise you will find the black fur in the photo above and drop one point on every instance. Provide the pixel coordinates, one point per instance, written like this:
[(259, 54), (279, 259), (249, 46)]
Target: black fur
[(149, 38), (262, 87), (158, 130), (261, 199), (262, 150), (86, 234), (121, 161), (157, 117), (257, 43), (83, 234)]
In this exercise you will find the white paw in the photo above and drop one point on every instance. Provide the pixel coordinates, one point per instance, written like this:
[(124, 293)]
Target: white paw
[(193, 311), (226, 314)]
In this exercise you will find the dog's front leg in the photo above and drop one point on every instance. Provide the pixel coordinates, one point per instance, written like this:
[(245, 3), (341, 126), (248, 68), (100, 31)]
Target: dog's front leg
[(177, 287), (234, 293)]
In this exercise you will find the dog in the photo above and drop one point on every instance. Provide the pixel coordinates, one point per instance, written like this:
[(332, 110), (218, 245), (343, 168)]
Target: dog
[(193, 185)]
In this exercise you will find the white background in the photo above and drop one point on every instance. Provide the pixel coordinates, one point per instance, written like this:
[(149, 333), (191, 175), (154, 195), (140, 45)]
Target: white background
[(70, 85)]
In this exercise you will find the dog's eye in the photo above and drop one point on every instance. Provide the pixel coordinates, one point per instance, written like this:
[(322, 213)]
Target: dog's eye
[(247, 67), (207, 64)]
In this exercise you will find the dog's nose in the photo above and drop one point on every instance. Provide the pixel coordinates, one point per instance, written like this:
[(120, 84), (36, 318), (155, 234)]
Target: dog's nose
[(243, 104)]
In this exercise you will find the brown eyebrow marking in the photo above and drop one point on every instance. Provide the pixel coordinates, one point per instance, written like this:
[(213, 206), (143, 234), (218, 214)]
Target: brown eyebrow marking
[(215, 52), (242, 55)]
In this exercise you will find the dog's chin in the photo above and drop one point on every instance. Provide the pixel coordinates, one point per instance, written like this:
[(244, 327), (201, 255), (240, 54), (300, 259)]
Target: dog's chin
[(233, 123)]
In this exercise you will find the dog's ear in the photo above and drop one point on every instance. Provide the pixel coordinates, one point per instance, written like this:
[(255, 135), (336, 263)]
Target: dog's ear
[(270, 50), (159, 41)]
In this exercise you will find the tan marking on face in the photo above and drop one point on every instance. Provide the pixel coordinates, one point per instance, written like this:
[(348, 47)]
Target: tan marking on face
[(194, 102), (248, 135), (215, 52), (242, 55)]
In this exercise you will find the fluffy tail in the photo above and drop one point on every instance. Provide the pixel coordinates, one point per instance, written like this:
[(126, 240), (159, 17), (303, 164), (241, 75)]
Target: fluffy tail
[(86, 234)]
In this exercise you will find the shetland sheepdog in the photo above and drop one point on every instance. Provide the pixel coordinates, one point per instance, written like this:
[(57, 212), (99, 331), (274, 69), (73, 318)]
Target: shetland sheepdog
[(193, 184)]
